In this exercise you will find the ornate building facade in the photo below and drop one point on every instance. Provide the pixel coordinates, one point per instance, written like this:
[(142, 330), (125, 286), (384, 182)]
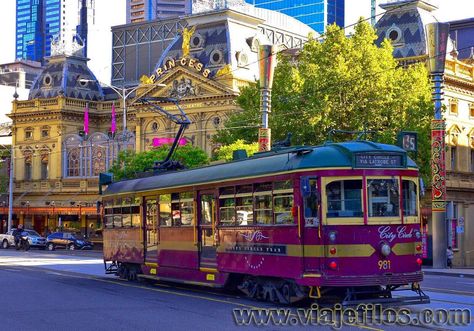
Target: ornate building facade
[(58, 159), (404, 24)]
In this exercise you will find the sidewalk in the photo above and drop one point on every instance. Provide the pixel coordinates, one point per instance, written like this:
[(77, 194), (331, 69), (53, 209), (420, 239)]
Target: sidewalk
[(459, 272)]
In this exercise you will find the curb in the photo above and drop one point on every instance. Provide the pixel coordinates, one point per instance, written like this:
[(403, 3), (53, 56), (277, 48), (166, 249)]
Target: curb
[(449, 274)]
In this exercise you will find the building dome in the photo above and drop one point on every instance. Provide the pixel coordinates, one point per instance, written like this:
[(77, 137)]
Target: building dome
[(68, 76), (404, 24)]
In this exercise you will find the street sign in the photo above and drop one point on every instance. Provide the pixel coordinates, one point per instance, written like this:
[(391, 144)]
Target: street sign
[(461, 221), (460, 229)]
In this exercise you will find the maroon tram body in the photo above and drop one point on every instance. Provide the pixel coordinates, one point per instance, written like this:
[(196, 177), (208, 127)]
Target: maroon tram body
[(338, 220)]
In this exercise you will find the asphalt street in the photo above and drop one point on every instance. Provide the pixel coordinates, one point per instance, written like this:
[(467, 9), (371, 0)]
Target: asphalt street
[(68, 290)]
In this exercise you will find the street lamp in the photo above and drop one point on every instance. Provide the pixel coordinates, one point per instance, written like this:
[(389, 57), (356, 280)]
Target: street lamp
[(124, 92)]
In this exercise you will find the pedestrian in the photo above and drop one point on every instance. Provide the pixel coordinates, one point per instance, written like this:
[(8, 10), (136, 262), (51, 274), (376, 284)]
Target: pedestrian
[(450, 256)]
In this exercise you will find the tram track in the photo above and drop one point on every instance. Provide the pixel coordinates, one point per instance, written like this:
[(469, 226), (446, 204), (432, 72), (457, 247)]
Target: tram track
[(219, 296)]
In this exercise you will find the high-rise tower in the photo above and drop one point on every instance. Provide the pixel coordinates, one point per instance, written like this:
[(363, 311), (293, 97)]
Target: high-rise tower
[(144, 10), (39, 22), (317, 13)]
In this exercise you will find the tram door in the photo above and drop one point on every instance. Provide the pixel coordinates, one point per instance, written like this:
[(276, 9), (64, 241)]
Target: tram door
[(207, 228), (151, 230), (312, 248)]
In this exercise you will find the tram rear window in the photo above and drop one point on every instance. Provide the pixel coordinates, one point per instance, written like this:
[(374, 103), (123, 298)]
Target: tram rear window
[(344, 198)]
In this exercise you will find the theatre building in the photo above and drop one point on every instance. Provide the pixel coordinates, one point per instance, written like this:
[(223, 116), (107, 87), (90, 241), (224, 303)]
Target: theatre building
[(63, 137)]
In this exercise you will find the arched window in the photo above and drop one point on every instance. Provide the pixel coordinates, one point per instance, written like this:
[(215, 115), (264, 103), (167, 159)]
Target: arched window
[(28, 156), (72, 156), (99, 144), (453, 134), (45, 162)]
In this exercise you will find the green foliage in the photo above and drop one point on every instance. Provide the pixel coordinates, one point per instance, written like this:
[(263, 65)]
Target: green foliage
[(345, 83), (129, 163), (226, 151)]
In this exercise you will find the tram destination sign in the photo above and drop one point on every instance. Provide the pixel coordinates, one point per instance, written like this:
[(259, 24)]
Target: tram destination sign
[(378, 161)]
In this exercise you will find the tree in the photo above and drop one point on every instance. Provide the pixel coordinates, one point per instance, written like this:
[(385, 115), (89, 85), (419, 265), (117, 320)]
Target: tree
[(226, 151), (129, 163), (342, 82)]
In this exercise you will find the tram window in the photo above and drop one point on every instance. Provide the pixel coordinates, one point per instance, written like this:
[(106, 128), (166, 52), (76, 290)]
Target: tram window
[(384, 197), (263, 187), (109, 211), (135, 211), (282, 209), (227, 190), (409, 198), (175, 214), (187, 213), (311, 201), (151, 212), (117, 221), (244, 210), (344, 198), (206, 209), (165, 210), (263, 209), (186, 207), (283, 185), (227, 211), (109, 221), (126, 217), (244, 189)]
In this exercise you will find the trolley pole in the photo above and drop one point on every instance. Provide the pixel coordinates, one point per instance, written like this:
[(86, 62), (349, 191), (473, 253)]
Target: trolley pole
[(267, 63), (437, 35)]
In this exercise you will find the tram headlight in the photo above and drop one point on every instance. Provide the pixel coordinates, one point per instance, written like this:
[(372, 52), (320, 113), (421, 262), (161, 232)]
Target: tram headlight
[(332, 236), (417, 234), (385, 249)]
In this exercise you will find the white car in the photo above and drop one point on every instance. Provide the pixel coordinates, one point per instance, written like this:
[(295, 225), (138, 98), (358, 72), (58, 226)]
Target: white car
[(34, 239)]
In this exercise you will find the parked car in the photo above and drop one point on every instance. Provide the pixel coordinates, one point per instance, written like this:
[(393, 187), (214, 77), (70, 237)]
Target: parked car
[(67, 240), (34, 239)]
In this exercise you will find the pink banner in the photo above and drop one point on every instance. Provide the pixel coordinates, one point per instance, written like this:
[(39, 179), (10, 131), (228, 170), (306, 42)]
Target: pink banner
[(114, 123), (86, 119), (157, 142)]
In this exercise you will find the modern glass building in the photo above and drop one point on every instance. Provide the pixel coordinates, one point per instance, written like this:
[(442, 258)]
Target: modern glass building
[(315, 13), (38, 22), (29, 30)]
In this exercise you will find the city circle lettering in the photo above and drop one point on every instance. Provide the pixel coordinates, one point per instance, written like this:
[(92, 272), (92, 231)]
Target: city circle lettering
[(184, 62)]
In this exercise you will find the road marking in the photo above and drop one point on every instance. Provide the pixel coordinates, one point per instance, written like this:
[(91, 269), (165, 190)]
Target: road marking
[(440, 290)]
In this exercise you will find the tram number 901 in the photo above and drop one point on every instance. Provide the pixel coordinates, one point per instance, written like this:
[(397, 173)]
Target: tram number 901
[(384, 264)]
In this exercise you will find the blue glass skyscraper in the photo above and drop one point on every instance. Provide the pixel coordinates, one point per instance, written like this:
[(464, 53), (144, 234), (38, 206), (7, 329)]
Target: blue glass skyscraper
[(52, 21), (315, 13), (38, 22), (29, 30)]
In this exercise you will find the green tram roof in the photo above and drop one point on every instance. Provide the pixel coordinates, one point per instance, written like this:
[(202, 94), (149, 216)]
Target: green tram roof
[(329, 155)]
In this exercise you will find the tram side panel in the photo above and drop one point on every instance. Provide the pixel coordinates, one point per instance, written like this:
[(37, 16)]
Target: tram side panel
[(123, 245)]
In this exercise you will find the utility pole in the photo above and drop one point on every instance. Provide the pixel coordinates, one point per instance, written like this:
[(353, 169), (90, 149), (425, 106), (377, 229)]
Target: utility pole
[(437, 36), (267, 64)]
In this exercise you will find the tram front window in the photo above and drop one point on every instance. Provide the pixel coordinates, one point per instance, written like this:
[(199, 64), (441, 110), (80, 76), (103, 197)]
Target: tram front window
[(410, 198), (344, 198), (384, 197)]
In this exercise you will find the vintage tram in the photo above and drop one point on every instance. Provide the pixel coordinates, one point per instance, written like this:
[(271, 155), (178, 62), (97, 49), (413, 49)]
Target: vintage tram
[(336, 220)]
